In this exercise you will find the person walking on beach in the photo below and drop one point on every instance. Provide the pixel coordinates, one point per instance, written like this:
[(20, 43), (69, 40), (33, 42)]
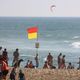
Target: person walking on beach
[(5, 56), (59, 60), (37, 61), (16, 56), (63, 66), (50, 59), (21, 75)]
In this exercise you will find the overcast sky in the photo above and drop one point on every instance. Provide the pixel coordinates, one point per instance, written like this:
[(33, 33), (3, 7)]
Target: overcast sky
[(40, 8)]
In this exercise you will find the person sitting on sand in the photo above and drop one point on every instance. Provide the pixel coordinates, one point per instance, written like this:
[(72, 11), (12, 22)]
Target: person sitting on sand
[(16, 56), (30, 65), (27, 64), (5, 55), (46, 65), (50, 59), (13, 74), (70, 66), (21, 75)]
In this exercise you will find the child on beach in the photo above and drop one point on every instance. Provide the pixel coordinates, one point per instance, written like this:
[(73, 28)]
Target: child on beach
[(70, 66), (21, 75), (12, 74), (46, 66)]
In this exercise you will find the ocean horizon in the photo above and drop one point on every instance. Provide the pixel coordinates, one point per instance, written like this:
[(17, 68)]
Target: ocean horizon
[(56, 35)]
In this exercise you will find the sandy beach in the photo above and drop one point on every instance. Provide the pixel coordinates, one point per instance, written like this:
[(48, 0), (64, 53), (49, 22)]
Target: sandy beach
[(49, 74)]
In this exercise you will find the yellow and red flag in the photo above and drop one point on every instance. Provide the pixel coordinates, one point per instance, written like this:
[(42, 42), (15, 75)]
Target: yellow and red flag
[(32, 32)]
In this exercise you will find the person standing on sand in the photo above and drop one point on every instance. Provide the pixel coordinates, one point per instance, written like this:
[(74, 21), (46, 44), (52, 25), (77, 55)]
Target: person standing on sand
[(63, 66), (16, 56), (37, 60), (5, 56), (50, 59), (4, 69), (79, 63), (1, 50), (59, 60)]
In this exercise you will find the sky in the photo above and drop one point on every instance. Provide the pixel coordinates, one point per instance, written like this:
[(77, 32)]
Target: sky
[(39, 8)]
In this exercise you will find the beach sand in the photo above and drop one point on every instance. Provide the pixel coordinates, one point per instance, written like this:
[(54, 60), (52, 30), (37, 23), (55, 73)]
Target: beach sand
[(49, 74)]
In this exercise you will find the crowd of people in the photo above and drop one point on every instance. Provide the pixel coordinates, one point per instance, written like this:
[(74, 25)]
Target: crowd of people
[(4, 67)]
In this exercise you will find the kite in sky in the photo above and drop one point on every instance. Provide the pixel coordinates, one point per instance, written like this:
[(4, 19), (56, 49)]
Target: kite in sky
[(52, 7)]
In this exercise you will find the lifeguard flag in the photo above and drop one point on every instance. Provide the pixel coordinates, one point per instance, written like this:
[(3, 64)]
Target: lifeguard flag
[(32, 32)]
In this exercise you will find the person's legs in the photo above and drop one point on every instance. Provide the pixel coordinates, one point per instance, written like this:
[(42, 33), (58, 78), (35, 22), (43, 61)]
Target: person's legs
[(4, 77), (5, 74), (1, 75)]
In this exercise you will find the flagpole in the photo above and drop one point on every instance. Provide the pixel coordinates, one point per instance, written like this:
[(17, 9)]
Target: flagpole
[(33, 34), (37, 46), (37, 42)]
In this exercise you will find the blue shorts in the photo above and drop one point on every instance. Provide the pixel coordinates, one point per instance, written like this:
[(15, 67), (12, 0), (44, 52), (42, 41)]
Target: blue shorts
[(1, 73)]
